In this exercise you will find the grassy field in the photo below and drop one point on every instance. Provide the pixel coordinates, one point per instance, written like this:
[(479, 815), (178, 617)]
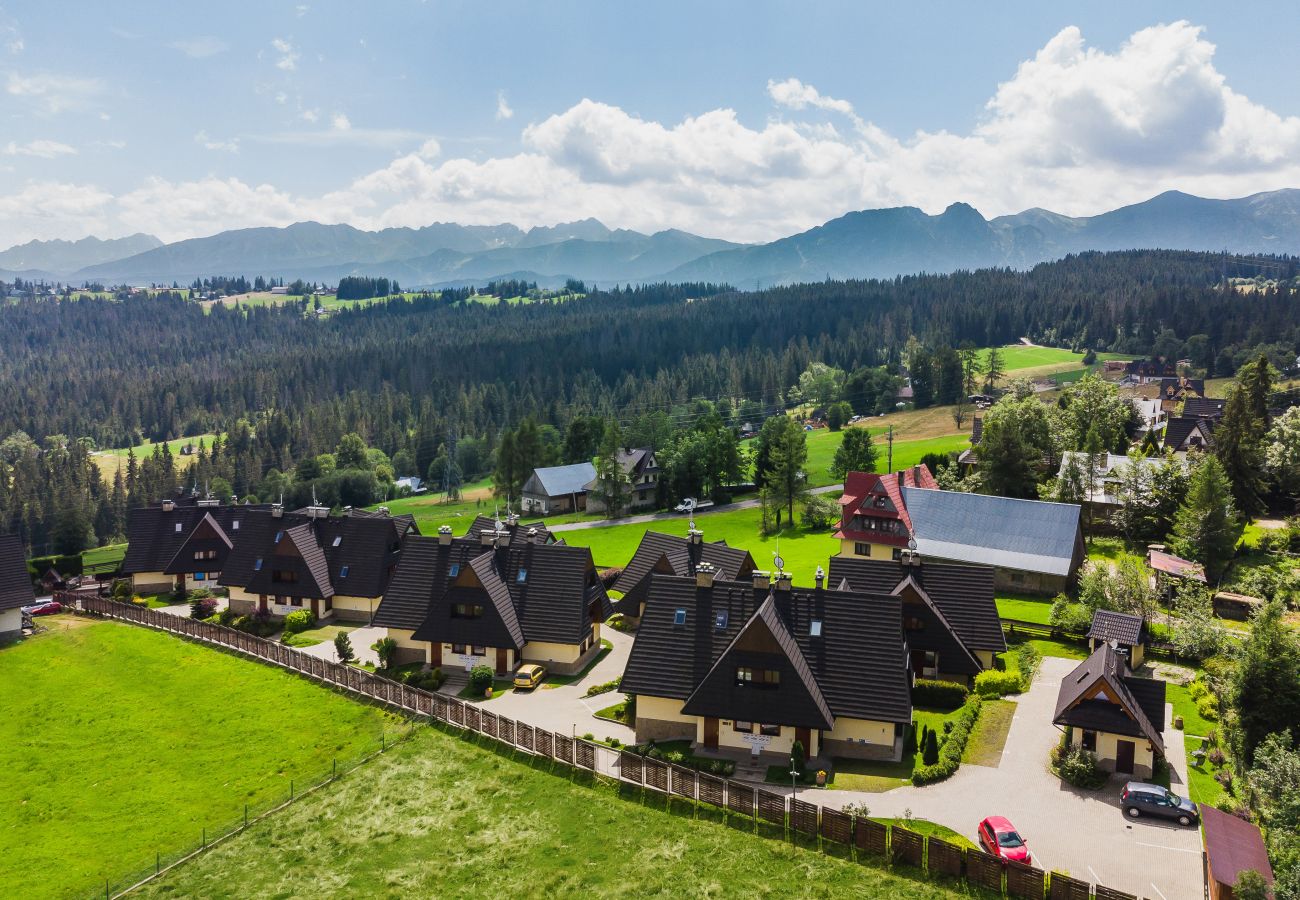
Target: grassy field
[(124, 742), (1024, 608), (1193, 722), (932, 829), (109, 461), (989, 736), (440, 816)]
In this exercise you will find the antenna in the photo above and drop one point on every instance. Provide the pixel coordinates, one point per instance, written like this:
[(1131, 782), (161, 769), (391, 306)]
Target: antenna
[(313, 496), (776, 558), (689, 503)]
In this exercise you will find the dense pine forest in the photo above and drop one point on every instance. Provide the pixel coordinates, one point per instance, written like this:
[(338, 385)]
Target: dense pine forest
[(404, 374)]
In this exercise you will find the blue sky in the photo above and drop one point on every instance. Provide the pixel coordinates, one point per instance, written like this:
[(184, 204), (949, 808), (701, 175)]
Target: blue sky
[(741, 120)]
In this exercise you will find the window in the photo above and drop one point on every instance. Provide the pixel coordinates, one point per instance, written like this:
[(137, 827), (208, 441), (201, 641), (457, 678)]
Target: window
[(744, 727), (815, 628), (861, 549), (337, 540), (454, 570), (178, 527), (458, 649), (522, 576), (234, 526), (343, 572), (278, 535), (1090, 741), (770, 730), (200, 576), (912, 623), (898, 553), (479, 651), (748, 676), (257, 564), (720, 619), (466, 611), (284, 576), (679, 617)]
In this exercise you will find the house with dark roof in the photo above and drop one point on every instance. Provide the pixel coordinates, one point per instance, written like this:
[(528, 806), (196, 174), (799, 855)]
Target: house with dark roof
[(1173, 391), (1033, 546), (1186, 433), (496, 598), (15, 586), (1233, 846), (1104, 494), (667, 554), (969, 458), (182, 543), (1110, 712), (551, 490), (1125, 632), (532, 531), (950, 619), (1147, 371), (1204, 408), (642, 470), (753, 666), (336, 566)]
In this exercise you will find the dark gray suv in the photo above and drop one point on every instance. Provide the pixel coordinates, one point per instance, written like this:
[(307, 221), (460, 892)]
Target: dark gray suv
[(1141, 799)]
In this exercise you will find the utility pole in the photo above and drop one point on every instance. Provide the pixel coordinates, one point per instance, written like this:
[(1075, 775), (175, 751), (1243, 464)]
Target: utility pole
[(890, 467)]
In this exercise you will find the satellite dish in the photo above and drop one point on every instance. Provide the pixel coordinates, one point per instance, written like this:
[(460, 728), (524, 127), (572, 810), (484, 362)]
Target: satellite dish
[(911, 543)]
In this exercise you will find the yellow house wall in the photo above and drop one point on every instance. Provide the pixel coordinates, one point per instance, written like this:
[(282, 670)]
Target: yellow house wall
[(781, 743), (145, 582), (452, 661), (11, 621), (191, 583), (858, 730), (878, 551), (985, 658), (356, 608), (1143, 755), (543, 652), (663, 708)]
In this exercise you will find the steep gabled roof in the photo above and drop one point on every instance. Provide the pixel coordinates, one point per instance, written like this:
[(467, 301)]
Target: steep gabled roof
[(1180, 428), (515, 529), (153, 537), (857, 658), (558, 481), (15, 584), (295, 551), (207, 535), (1109, 625), (421, 579), (762, 642), (1203, 408), (673, 555), (963, 594), (1102, 695)]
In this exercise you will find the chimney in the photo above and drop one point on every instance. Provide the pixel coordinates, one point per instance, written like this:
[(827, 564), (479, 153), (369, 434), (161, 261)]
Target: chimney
[(383, 510), (168, 505), (487, 537), (704, 575), (502, 537), (277, 510), (820, 577), (444, 535), (696, 536), (532, 534), (512, 520), (761, 579), (317, 512), (783, 581)]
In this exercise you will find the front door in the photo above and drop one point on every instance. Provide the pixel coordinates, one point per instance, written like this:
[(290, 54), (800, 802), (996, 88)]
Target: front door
[(503, 660), (710, 733), (804, 736), (1124, 757)]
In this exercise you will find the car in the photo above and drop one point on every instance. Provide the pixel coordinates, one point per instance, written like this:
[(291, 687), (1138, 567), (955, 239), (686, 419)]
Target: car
[(1141, 799), (529, 676), (999, 838), (43, 608)]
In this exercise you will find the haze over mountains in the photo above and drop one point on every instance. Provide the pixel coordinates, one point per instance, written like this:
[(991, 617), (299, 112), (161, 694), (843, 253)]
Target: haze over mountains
[(870, 243)]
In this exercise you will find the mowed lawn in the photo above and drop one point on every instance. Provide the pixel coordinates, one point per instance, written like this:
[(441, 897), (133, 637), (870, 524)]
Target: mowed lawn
[(440, 816), (121, 742)]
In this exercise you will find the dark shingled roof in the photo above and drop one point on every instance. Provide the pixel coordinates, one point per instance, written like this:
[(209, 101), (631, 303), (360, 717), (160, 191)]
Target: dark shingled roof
[(1108, 625), (15, 584), (154, 540), (207, 535), (669, 554), (1179, 428), (1139, 712), (1233, 846), (859, 662), (517, 529), (1203, 408), (554, 600), (292, 552), (964, 594)]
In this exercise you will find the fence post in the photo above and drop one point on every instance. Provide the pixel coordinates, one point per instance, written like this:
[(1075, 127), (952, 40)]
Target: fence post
[(290, 788), (204, 843)]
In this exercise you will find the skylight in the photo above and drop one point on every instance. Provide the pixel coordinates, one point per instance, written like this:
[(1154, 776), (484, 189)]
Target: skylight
[(679, 617), (278, 535), (343, 572), (454, 570), (234, 526), (338, 540), (522, 576), (178, 527), (720, 620), (257, 564), (815, 628)]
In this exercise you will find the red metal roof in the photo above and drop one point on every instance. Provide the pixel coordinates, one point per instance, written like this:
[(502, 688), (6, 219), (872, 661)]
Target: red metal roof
[(859, 486), (1175, 565), (1233, 846)]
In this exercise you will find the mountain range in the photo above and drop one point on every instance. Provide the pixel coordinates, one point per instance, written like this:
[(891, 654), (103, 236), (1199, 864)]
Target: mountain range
[(865, 244)]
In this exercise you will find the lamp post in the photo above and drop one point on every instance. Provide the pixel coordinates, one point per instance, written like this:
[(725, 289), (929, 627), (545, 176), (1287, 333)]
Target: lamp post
[(794, 783)]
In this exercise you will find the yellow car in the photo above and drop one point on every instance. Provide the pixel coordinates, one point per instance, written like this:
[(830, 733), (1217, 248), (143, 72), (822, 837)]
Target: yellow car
[(529, 676)]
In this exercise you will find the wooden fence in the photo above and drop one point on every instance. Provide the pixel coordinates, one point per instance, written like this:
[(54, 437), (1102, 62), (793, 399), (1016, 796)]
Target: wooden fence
[(868, 839)]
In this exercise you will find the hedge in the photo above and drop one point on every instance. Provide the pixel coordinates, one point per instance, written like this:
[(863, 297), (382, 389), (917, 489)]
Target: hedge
[(951, 751), (993, 683), (938, 694), (1027, 660)]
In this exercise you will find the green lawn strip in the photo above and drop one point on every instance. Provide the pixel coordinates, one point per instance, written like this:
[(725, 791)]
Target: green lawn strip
[(132, 742), (930, 829), (869, 775), (502, 825), (554, 681), (1202, 786), (1112, 550), (1023, 608), (468, 692), (1184, 705), (989, 736), (616, 713), (111, 554), (320, 635), (1045, 646), (175, 445)]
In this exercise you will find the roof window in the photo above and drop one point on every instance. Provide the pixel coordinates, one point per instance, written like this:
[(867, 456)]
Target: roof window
[(278, 535), (257, 564), (720, 619), (178, 527), (337, 540), (234, 526), (343, 572), (679, 617), (815, 628), (454, 570), (522, 576)]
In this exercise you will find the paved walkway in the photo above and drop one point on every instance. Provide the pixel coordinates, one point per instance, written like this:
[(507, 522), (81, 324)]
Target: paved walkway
[(362, 637), (659, 516)]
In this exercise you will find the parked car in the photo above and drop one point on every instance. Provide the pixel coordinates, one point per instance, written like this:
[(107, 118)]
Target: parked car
[(1140, 799), (999, 838), (43, 608), (699, 505), (529, 676)]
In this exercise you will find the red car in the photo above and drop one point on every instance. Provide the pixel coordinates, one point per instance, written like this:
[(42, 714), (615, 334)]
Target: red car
[(1000, 838), (43, 608)]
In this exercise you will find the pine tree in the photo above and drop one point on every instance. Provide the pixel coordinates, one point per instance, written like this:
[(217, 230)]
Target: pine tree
[(1239, 444), (612, 481), (1206, 527), (856, 453)]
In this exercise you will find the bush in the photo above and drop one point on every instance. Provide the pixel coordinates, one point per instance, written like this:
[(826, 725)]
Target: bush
[(226, 617), (991, 683), (203, 608), (426, 681), (604, 687), (200, 594), (1075, 618), (1077, 766), (299, 620), (480, 678), (386, 649), (122, 589), (343, 647), (930, 748), (951, 751), (1027, 660), (938, 694), (1208, 707), (619, 622)]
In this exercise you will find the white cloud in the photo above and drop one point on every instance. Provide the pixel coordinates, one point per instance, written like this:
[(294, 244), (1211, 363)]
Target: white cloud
[(208, 143), (339, 122), (45, 149), (52, 94), (1076, 129), (503, 108), (289, 55), (200, 47), (301, 9)]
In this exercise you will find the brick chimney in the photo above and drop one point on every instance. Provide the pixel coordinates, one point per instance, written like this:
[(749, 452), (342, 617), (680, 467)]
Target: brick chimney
[(761, 579), (444, 535), (783, 580), (704, 575)]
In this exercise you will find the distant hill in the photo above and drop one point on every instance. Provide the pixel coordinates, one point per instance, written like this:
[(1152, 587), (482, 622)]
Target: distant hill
[(870, 243), (59, 257)]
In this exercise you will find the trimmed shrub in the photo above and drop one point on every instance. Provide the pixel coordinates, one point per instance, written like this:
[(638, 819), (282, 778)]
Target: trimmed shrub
[(203, 608), (930, 748), (603, 687), (226, 617), (299, 620), (938, 694), (1077, 766), (343, 647), (1027, 660), (991, 683), (951, 751), (480, 678)]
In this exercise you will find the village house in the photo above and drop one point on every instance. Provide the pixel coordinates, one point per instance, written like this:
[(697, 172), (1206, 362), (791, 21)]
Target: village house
[(1151, 416), (182, 543), (1108, 711), (667, 554), (754, 666), (1126, 633), (1148, 371), (1183, 433), (642, 471), (1204, 408), (552, 490), (498, 597), (338, 567), (950, 618), (1033, 546), (15, 586), (1103, 491), (1172, 392)]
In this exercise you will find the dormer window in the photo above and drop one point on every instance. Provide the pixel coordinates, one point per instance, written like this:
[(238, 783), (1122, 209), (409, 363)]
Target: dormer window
[(679, 617), (337, 540), (815, 628)]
